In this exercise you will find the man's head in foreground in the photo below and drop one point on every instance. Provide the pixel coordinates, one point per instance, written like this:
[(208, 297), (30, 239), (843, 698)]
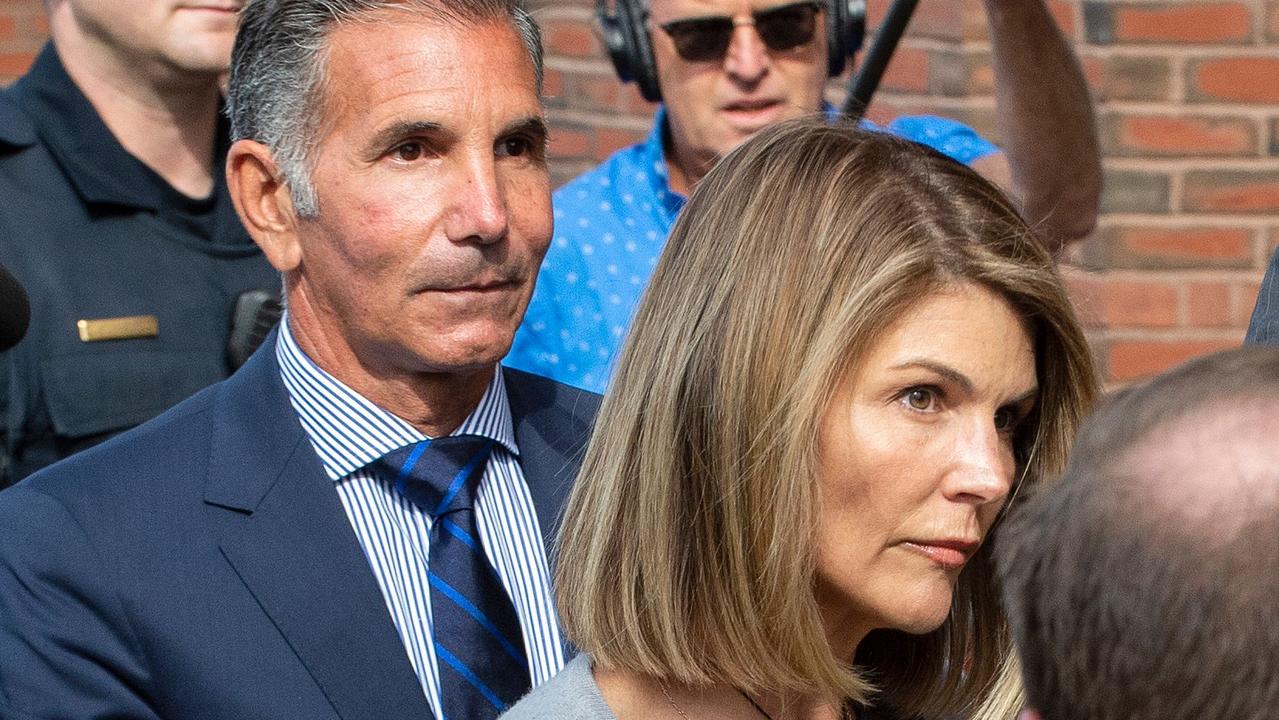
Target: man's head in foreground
[(390, 163), (1145, 585)]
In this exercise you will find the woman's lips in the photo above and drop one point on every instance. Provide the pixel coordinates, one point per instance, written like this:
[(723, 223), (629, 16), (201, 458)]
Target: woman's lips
[(950, 554)]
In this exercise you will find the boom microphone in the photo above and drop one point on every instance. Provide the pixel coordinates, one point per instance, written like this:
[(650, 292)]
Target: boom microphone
[(15, 311), (866, 80)]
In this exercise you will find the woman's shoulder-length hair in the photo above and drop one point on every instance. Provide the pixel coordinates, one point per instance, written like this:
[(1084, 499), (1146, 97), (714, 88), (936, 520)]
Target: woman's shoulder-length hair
[(687, 549)]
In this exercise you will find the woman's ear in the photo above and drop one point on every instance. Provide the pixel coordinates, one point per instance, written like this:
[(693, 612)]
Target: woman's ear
[(1028, 714), (264, 203)]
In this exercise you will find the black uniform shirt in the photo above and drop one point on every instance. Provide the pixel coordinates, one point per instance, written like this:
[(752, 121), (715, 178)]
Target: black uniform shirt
[(108, 252)]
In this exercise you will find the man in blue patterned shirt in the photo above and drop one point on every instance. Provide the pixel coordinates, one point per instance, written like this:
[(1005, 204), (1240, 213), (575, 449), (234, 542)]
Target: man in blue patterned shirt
[(726, 69)]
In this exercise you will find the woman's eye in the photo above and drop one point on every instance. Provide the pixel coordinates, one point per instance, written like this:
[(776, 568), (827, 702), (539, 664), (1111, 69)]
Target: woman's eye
[(921, 399), (409, 151), (1006, 419)]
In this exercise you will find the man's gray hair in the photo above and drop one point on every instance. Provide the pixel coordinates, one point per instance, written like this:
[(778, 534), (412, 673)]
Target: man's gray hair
[(278, 69)]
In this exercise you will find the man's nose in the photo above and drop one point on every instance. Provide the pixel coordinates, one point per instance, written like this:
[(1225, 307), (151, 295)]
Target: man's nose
[(747, 59), (479, 210), (983, 467)]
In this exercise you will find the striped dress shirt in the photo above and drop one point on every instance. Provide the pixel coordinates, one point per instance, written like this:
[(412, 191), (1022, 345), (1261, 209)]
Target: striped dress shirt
[(348, 432)]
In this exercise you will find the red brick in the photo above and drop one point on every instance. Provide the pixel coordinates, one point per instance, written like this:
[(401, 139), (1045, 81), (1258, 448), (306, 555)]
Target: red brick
[(634, 104), (1245, 299), (947, 76), (1131, 360), (15, 64), (1241, 191), (1135, 191), (974, 21), (939, 19), (908, 71), (553, 83), (1182, 22), (1143, 247), (1165, 136), (1127, 303), (567, 143), (596, 92), (1241, 79), (1086, 295), (8, 28), (1063, 13), (573, 39), (1135, 77), (1094, 68), (1272, 20), (610, 140), (1208, 305)]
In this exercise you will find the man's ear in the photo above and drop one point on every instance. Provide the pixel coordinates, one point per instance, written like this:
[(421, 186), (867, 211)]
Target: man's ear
[(264, 203), (1028, 714)]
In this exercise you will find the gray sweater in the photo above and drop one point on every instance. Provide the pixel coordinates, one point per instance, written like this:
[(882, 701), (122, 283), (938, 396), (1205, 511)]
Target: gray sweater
[(570, 695)]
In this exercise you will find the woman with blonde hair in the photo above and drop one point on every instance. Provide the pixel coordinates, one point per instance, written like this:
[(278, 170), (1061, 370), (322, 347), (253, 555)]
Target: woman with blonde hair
[(852, 357)]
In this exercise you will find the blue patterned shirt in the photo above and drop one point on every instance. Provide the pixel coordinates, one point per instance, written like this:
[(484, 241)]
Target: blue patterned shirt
[(610, 226), (348, 432)]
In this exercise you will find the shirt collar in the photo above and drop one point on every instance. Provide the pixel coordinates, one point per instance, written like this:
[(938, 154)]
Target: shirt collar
[(348, 431), (652, 156), (101, 170)]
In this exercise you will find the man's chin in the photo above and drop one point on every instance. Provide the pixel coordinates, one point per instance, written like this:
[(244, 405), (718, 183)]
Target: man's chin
[(464, 353)]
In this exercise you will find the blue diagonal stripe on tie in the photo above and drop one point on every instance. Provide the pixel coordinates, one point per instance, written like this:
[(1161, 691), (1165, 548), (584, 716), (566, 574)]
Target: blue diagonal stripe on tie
[(461, 534), (460, 478), (469, 541), (471, 677), (409, 463), (478, 615)]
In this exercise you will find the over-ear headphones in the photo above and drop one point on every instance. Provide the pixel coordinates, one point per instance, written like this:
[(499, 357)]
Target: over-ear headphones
[(626, 38)]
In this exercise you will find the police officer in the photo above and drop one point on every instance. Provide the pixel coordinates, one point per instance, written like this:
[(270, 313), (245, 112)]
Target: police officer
[(115, 217)]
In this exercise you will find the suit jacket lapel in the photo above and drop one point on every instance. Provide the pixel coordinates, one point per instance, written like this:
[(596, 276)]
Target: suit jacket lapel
[(552, 425), (289, 540)]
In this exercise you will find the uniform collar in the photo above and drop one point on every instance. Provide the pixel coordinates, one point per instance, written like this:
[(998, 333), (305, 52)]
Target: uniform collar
[(15, 129)]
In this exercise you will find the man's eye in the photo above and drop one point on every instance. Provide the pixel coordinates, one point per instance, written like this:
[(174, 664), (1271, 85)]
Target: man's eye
[(515, 147), (409, 151)]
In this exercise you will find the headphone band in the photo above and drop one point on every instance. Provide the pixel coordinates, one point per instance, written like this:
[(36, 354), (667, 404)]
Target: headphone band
[(626, 39)]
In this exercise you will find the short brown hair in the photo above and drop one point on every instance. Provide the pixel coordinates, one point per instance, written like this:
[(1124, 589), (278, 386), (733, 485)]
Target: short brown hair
[(1143, 586), (688, 546)]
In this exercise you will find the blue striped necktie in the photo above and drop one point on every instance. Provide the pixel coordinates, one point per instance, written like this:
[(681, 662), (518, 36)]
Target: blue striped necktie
[(478, 643)]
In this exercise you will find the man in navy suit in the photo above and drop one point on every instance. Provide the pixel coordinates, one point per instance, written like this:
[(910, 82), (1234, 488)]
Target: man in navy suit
[(266, 548)]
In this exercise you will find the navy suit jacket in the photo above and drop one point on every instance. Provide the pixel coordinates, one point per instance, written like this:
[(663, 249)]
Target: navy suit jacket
[(202, 566)]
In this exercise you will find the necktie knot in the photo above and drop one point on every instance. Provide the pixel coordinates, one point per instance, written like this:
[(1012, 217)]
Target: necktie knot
[(440, 475)]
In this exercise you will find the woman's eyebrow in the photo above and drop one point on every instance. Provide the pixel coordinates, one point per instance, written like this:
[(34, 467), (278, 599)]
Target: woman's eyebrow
[(945, 371)]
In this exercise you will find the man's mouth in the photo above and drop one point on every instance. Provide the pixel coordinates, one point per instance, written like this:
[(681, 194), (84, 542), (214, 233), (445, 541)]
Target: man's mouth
[(752, 113), (486, 285)]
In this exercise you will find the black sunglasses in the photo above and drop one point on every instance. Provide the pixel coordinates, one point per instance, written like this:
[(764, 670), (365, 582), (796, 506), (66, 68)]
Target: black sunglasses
[(706, 39)]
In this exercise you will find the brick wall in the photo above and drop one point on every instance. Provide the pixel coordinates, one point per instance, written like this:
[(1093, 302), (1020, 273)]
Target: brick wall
[(22, 30), (1188, 108)]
